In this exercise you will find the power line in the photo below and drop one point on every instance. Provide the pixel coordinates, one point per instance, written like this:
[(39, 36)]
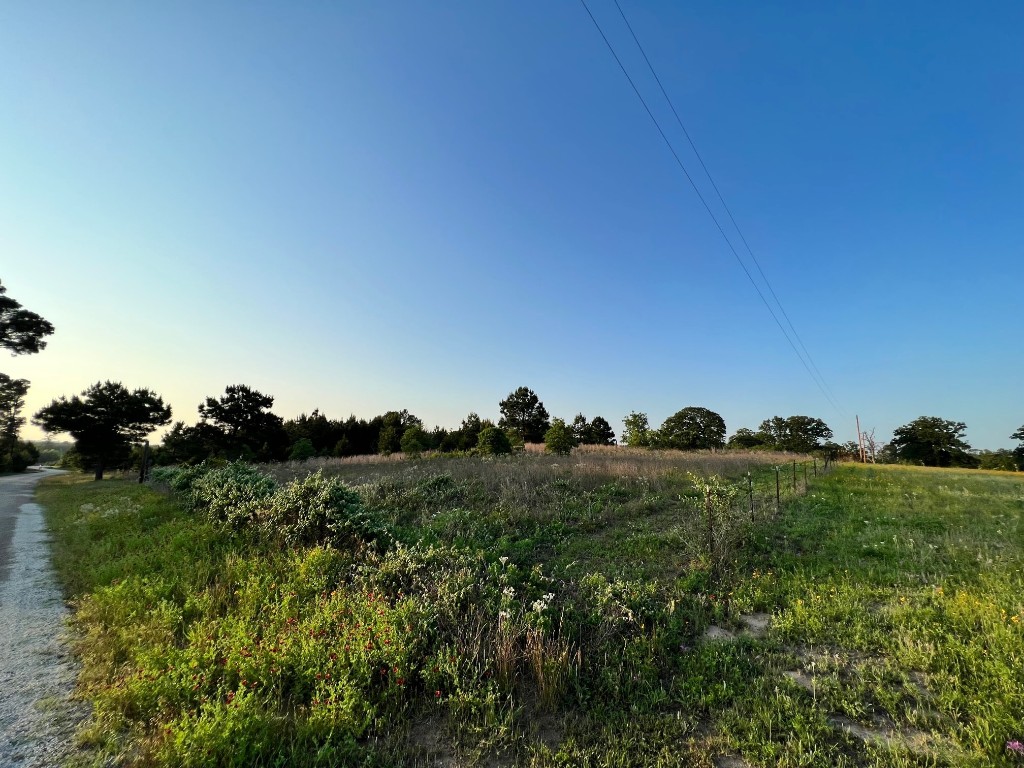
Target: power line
[(721, 199), (711, 213)]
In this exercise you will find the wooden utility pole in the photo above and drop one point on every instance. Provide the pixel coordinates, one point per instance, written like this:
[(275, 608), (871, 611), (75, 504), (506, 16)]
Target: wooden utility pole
[(860, 442)]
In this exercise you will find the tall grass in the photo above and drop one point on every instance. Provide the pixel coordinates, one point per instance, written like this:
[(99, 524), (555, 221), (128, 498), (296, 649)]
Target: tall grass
[(536, 610)]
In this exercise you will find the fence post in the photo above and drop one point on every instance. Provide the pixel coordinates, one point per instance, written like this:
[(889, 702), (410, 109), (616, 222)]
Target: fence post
[(805, 477), (794, 476), (815, 467), (750, 495), (711, 532), (778, 491), (145, 462)]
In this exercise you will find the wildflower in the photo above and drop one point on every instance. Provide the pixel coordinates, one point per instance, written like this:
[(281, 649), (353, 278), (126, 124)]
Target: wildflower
[(1015, 746), (437, 694)]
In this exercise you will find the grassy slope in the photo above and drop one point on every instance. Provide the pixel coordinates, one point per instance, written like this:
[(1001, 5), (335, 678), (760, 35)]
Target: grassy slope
[(894, 592)]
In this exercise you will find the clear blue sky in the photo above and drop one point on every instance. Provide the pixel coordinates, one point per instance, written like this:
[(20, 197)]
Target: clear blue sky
[(366, 206)]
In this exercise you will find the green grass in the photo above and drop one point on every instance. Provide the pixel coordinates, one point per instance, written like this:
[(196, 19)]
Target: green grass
[(550, 612)]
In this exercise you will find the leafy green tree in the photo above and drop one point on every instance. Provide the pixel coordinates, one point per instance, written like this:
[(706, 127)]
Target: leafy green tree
[(933, 442), (12, 399), (800, 434), (189, 445), (524, 413), (745, 439), (1001, 459), (389, 441), (559, 438), (21, 331), (691, 429), (469, 432), (104, 421), (1018, 452), (302, 450), (247, 426), (414, 440), (492, 441), (637, 431)]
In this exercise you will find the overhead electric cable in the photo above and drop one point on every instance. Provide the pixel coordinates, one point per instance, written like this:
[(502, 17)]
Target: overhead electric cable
[(721, 199), (711, 213)]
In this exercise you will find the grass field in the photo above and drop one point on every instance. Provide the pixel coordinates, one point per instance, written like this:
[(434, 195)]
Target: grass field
[(541, 611)]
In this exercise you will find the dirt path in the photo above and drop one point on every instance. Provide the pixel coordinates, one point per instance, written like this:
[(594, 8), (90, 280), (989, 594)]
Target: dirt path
[(36, 670)]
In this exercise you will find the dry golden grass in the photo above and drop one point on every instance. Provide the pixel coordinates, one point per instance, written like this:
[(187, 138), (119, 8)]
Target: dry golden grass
[(590, 465)]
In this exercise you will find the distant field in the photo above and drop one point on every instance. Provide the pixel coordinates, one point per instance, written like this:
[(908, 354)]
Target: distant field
[(611, 608)]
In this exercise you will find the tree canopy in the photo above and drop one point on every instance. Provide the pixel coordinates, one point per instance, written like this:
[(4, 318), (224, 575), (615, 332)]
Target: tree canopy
[(105, 421), (245, 424), (692, 428), (933, 442), (745, 438), (524, 413), (559, 438), (1018, 452), (595, 432), (15, 455), (21, 331), (800, 434), (637, 430)]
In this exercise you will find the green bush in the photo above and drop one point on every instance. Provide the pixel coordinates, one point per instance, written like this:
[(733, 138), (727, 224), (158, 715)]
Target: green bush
[(493, 442), (231, 495), (315, 510)]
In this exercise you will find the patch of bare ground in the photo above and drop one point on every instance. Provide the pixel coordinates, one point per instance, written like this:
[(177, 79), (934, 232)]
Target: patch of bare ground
[(729, 761), (755, 625), (885, 733)]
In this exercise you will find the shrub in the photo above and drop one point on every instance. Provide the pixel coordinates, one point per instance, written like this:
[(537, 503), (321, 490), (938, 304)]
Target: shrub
[(316, 509), (231, 495), (493, 441)]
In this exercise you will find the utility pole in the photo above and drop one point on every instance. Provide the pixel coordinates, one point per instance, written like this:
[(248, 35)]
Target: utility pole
[(860, 442)]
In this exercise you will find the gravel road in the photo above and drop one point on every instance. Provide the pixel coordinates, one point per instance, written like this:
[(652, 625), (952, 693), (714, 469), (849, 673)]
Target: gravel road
[(37, 672)]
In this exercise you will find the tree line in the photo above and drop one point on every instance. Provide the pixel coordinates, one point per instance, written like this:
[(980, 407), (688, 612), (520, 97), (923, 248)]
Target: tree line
[(108, 422)]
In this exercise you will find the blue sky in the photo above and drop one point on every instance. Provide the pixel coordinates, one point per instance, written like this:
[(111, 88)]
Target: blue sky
[(369, 206)]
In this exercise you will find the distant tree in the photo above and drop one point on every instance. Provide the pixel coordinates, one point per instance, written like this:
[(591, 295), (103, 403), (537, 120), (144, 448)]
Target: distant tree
[(601, 432), (933, 442), (691, 429), (104, 421), (559, 438), (322, 432), (12, 399), (637, 431), (745, 439), (469, 432), (1001, 459), (21, 331), (189, 445), (492, 441), (302, 450), (581, 429), (800, 434), (1018, 452), (247, 426), (393, 426), (524, 413), (389, 441), (414, 440)]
